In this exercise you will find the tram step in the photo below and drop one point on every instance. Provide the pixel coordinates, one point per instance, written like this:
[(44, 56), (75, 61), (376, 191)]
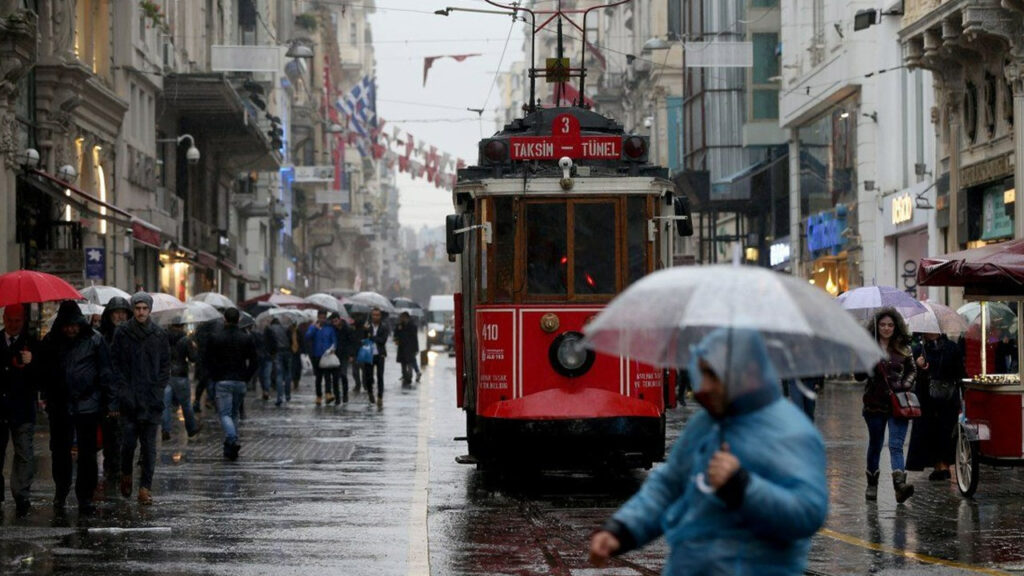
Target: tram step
[(466, 459)]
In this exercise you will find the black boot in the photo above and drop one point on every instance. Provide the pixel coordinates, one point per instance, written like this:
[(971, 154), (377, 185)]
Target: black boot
[(899, 484), (871, 494)]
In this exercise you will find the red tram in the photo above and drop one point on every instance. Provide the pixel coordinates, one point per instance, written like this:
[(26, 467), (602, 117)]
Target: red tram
[(562, 212)]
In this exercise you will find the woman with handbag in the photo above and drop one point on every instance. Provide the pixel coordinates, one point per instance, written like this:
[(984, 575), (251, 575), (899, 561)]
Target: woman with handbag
[(889, 401), (940, 368)]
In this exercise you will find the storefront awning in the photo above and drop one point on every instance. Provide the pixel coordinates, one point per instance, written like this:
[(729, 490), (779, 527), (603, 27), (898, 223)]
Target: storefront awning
[(84, 202), (206, 259), (231, 268), (993, 270)]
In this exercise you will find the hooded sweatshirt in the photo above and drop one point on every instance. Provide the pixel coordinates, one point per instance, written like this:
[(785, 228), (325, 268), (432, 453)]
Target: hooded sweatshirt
[(141, 356), (107, 326), (762, 520)]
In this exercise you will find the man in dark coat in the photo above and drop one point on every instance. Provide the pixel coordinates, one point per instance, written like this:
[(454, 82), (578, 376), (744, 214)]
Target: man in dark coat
[(408, 340), (17, 406), (345, 338), (278, 346), (232, 362), (377, 331), (116, 312), (142, 360), (202, 336), (80, 390), (179, 392)]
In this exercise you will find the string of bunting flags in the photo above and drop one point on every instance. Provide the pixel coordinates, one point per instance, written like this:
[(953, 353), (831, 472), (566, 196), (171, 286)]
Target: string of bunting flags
[(365, 130)]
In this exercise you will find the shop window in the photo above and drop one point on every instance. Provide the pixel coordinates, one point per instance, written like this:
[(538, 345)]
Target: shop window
[(674, 114), (594, 248), (675, 18), (546, 251)]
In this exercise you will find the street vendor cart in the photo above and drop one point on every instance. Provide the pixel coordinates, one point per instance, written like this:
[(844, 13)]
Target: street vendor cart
[(991, 426)]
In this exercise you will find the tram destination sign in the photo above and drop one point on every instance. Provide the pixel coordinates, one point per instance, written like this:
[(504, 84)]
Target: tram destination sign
[(565, 140)]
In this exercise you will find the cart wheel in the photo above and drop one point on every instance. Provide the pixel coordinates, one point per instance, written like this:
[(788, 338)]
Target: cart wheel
[(967, 464)]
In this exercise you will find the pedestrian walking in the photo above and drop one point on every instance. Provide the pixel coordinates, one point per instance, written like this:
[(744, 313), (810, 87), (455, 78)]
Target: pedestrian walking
[(408, 340), (17, 406), (321, 337), (804, 393), (358, 324), (232, 362), (202, 336), (377, 332), (940, 368), (296, 360), (184, 351), (265, 370), (896, 373), (278, 346), (142, 361), (345, 338), (116, 312), (80, 386), (743, 490)]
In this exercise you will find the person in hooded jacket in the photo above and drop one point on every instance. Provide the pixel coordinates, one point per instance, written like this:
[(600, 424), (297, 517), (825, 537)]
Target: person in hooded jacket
[(142, 359), (80, 389), (408, 340), (116, 312), (184, 350), (321, 337), (743, 489)]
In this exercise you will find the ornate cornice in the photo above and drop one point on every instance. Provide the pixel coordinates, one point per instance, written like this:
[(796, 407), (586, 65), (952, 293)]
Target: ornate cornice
[(17, 50)]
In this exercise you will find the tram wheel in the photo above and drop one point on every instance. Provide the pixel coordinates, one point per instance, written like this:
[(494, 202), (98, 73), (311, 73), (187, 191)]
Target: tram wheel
[(968, 454)]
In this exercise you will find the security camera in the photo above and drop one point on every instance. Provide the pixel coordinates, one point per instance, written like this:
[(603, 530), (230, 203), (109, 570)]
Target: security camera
[(192, 155)]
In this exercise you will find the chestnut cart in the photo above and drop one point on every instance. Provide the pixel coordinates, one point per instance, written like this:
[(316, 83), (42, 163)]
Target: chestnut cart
[(991, 428)]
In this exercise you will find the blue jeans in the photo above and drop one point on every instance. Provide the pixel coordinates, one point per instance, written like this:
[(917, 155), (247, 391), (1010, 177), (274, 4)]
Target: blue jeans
[(179, 393), (266, 367), (876, 432), (282, 376), (230, 394)]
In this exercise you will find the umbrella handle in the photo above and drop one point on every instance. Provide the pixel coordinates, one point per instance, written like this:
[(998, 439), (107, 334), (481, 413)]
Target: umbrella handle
[(702, 484)]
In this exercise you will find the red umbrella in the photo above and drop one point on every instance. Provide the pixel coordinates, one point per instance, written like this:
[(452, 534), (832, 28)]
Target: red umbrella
[(27, 286)]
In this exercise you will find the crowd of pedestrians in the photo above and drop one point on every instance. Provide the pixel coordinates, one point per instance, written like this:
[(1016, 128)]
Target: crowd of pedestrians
[(115, 386)]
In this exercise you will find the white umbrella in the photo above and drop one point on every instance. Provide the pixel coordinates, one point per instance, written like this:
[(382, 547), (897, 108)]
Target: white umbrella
[(99, 294), (287, 316), (88, 309), (938, 320), (325, 301), (373, 300), (214, 299), (864, 302), (194, 313), (163, 303), (657, 319)]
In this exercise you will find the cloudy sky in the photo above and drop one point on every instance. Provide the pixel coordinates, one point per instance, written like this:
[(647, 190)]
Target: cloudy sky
[(406, 31)]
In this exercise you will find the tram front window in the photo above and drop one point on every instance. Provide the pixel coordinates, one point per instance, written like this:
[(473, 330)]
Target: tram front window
[(594, 248), (546, 256)]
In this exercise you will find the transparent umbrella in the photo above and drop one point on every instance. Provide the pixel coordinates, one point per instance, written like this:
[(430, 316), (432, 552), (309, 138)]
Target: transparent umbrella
[(99, 294), (214, 299), (326, 302), (938, 320), (194, 313), (373, 300), (864, 302), (657, 319), (164, 303), (287, 316)]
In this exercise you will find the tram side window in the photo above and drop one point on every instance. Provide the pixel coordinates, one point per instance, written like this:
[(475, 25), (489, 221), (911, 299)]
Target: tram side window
[(636, 237), (594, 248), (546, 256), (504, 248)]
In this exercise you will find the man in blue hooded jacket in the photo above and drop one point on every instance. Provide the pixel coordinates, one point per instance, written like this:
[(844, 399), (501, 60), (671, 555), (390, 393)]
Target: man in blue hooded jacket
[(744, 488)]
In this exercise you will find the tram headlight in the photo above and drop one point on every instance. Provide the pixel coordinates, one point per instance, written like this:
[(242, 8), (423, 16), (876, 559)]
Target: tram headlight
[(432, 333), (568, 355)]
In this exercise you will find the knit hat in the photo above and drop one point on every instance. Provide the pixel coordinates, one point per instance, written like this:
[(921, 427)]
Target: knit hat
[(142, 297)]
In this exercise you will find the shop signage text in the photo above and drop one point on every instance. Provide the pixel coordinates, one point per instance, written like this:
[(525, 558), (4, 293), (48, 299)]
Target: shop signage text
[(96, 263), (902, 209), (565, 140), (985, 171), (824, 231), (779, 253)]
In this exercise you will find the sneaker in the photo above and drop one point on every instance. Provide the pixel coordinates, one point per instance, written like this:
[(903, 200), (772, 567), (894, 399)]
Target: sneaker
[(329, 397), (266, 396), (126, 485), (380, 401), (418, 376), (319, 400), (145, 498)]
